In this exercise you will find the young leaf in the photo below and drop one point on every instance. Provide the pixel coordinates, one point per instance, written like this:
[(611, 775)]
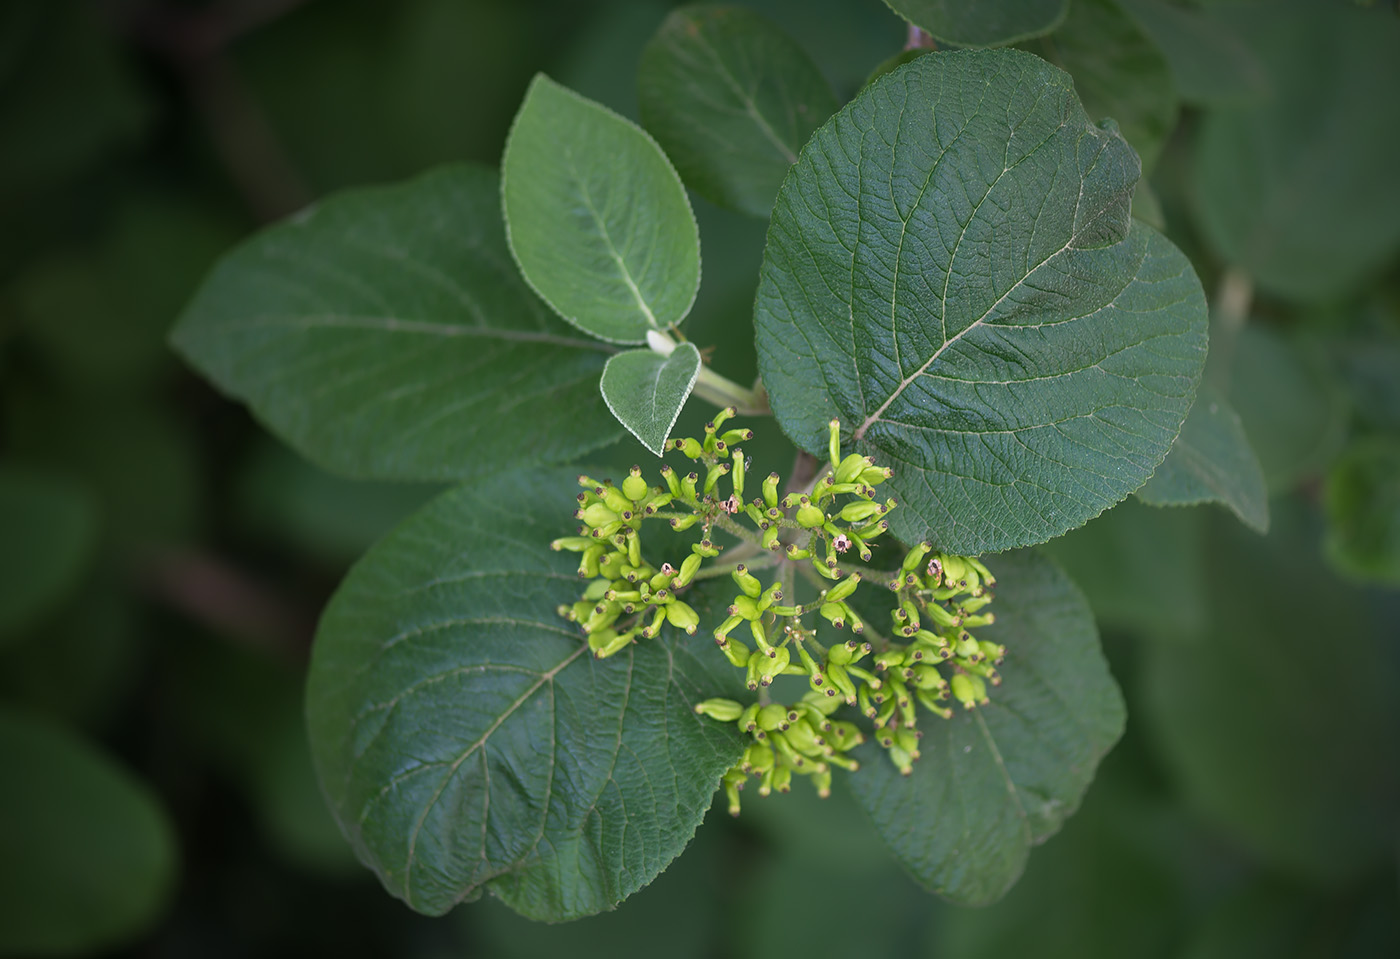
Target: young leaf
[(50, 532), (467, 740), (385, 334), (731, 98), (996, 780), (1212, 462), (952, 270), (88, 853), (597, 218), (1363, 511), (986, 23), (1117, 71), (646, 390), (1299, 190)]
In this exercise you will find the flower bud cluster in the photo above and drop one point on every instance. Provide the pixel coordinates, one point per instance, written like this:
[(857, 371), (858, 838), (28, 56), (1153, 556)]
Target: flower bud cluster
[(931, 660)]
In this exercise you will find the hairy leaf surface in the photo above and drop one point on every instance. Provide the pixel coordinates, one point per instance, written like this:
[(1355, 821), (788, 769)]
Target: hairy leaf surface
[(952, 271), (386, 334), (467, 740), (994, 781), (646, 390)]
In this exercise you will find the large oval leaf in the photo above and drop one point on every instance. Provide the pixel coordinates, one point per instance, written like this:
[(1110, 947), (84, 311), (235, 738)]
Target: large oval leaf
[(466, 739), (87, 854), (994, 781), (597, 217), (386, 334), (952, 270)]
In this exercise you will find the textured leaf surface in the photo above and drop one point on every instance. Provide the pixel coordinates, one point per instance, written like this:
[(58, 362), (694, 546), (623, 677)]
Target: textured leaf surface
[(986, 23), (87, 855), (952, 270), (386, 334), (1118, 72), (466, 739), (1299, 190), (1212, 462), (995, 781), (731, 99), (50, 533), (646, 390), (1363, 511), (596, 216)]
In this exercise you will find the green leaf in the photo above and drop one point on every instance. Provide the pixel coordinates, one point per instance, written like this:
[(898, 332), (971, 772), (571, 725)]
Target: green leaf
[(50, 534), (952, 271), (987, 23), (1299, 190), (646, 390), (87, 855), (997, 780), (597, 218), (385, 335), (1212, 462), (467, 741), (1363, 511), (731, 99), (1209, 61), (1117, 71)]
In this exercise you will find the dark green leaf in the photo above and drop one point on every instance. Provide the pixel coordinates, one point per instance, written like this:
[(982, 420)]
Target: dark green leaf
[(997, 780), (969, 295), (386, 334), (50, 533), (986, 23), (1363, 511), (597, 218), (87, 856), (1300, 191), (1212, 462), (731, 99), (646, 390), (1118, 72), (1209, 61), (466, 739)]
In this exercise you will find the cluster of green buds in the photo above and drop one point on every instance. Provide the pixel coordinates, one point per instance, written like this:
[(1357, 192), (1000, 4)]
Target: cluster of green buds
[(930, 658)]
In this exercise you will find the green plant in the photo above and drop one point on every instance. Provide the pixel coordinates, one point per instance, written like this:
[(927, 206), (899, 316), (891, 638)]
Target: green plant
[(960, 301)]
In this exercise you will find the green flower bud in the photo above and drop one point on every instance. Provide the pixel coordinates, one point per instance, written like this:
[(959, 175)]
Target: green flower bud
[(773, 716), (907, 739), (941, 617), (682, 523), (659, 501), (782, 779), (657, 619), (840, 654), (984, 574), (682, 616), (836, 675), (954, 568), (963, 690), (751, 669), (724, 710), (574, 544), (785, 750), (689, 567), (875, 475), (833, 442), (588, 563), (805, 740), (770, 490), (727, 626), (864, 702), (758, 758), (597, 515), (673, 485), (713, 474), (688, 492), (634, 487), (736, 652), (994, 652), (775, 666), (901, 759), (705, 548), (826, 571), (860, 512), (748, 718), (809, 516), (843, 589), (770, 538), (731, 793), (736, 436), (615, 501), (984, 619), (927, 700), (738, 473), (688, 446), (746, 607), (971, 604), (834, 613), (634, 548), (821, 781), (794, 552), (967, 647), (747, 581)]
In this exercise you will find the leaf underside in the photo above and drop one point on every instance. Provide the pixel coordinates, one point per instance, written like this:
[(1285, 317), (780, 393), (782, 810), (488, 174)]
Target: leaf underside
[(646, 390), (952, 270), (465, 738)]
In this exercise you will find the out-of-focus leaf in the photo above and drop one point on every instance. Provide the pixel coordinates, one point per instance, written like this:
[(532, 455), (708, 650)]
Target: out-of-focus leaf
[(467, 741), (1210, 63), (1282, 733), (1299, 191), (597, 218), (731, 99), (1293, 413), (87, 855), (50, 532), (1212, 462), (987, 23), (996, 780), (1140, 568), (1118, 72), (385, 334), (646, 390), (971, 298), (1363, 511)]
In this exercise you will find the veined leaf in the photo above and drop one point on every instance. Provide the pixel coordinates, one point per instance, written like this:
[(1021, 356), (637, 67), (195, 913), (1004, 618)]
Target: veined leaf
[(646, 390), (597, 218), (952, 271), (986, 23), (467, 740), (1212, 462), (385, 334), (996, 780), (731, 98)]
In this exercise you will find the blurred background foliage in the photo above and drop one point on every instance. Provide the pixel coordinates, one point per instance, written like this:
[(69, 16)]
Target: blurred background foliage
[(163, 561)]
